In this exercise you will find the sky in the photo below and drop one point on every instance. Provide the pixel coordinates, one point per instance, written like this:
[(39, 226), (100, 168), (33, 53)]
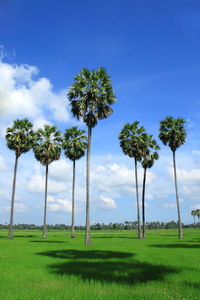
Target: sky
[(150, 50)]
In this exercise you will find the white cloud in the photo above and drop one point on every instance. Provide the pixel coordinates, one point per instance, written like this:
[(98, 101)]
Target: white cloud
[(191, 192), (18, 207), (3, 164), (185, 176), (59, 205), (169, 205), (37, 182), (105, 203), (197, 206), (61, 170), (24, 95), (117, 178)]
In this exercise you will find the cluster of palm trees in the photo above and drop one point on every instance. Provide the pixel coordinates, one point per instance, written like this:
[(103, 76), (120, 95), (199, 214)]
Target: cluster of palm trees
[(137, 144), (46, 144), (195, 213), (90, 97)]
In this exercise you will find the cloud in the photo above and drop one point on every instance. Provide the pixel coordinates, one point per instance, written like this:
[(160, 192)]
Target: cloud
[(23, 94), (3, 164), (197, 206), (105, 203), (59, 204), (117, 178), (37, 182), (191, 192), (18, 207), (185, 176), (61, 170), (169, 205)]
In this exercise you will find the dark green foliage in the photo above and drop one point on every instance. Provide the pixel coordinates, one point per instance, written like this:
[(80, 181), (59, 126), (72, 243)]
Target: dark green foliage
[(74, 143), (172, 132), (48, 145), (149, 148), (20, 137), (131, 139), (91, 95)]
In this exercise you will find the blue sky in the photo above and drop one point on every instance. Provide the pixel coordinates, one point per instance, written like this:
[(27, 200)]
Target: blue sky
[(151, 51)]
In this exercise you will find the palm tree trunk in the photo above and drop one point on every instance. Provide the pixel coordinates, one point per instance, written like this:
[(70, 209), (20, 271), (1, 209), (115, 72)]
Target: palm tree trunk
[(87, 233), (138, 204), (180, 233), (73, 193), (45, 203), (10, 236), (143, 211)]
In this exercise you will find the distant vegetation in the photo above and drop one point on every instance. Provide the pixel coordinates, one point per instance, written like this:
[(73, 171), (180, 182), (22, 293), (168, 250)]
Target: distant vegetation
[(127, 225)]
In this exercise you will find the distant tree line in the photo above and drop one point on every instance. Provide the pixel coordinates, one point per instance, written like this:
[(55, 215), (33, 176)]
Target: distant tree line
[(127, 225)]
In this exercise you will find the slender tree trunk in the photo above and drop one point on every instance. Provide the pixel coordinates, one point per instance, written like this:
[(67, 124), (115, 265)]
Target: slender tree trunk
[(180, 233), (10, 236), (138, 204), (45, 204), (143, 210), (73, 193), (87, 233)]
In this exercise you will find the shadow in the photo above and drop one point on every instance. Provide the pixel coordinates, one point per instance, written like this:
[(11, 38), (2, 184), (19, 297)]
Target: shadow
[(114, 237), (90, 254), (190, 246), (26, 236), (44, 241), (122, 272), (118, 272)]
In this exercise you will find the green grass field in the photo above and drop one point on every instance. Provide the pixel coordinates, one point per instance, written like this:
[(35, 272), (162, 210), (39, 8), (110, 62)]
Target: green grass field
[(116, 266)]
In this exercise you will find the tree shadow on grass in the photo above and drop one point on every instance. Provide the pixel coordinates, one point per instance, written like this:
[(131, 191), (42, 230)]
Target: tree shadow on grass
[(46, 241), (114, 237), (100, 268), (181, 245), (90, 254), (127, 273)]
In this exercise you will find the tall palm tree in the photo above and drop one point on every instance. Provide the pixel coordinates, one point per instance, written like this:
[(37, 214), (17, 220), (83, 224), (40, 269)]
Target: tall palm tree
[(20, 138), (130, 141), (90, 97), (46, 150), (74, 144), (149, 155), (173, 134)]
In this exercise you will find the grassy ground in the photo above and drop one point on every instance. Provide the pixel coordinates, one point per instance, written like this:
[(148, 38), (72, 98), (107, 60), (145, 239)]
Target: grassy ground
[(116, 266)]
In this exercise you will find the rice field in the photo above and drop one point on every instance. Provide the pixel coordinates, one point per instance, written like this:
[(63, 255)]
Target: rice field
[(116, 266)]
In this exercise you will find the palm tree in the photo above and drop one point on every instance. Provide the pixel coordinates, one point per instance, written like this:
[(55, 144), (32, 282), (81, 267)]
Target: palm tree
[(74, 144), (149, 157), (198, 214), (173, 134), (130, 141), (46, 150), (90, 97), (193, 213), (20, 138)]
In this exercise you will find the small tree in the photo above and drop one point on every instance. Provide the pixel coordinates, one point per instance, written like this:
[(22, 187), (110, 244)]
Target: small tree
[(74, 144), (130, 141), (47, 149), (90, 97), (173, 134), (20, 138), (193, 213), (149, 154)]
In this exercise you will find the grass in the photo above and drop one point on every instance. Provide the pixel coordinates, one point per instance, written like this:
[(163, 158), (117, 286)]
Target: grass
[(116, 266)]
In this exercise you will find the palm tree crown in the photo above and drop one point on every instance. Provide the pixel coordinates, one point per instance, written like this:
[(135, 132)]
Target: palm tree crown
[(48, 146), (172, 132), (131, 139), (149, 144), (74, 143), (90, 96), (20, 137)]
